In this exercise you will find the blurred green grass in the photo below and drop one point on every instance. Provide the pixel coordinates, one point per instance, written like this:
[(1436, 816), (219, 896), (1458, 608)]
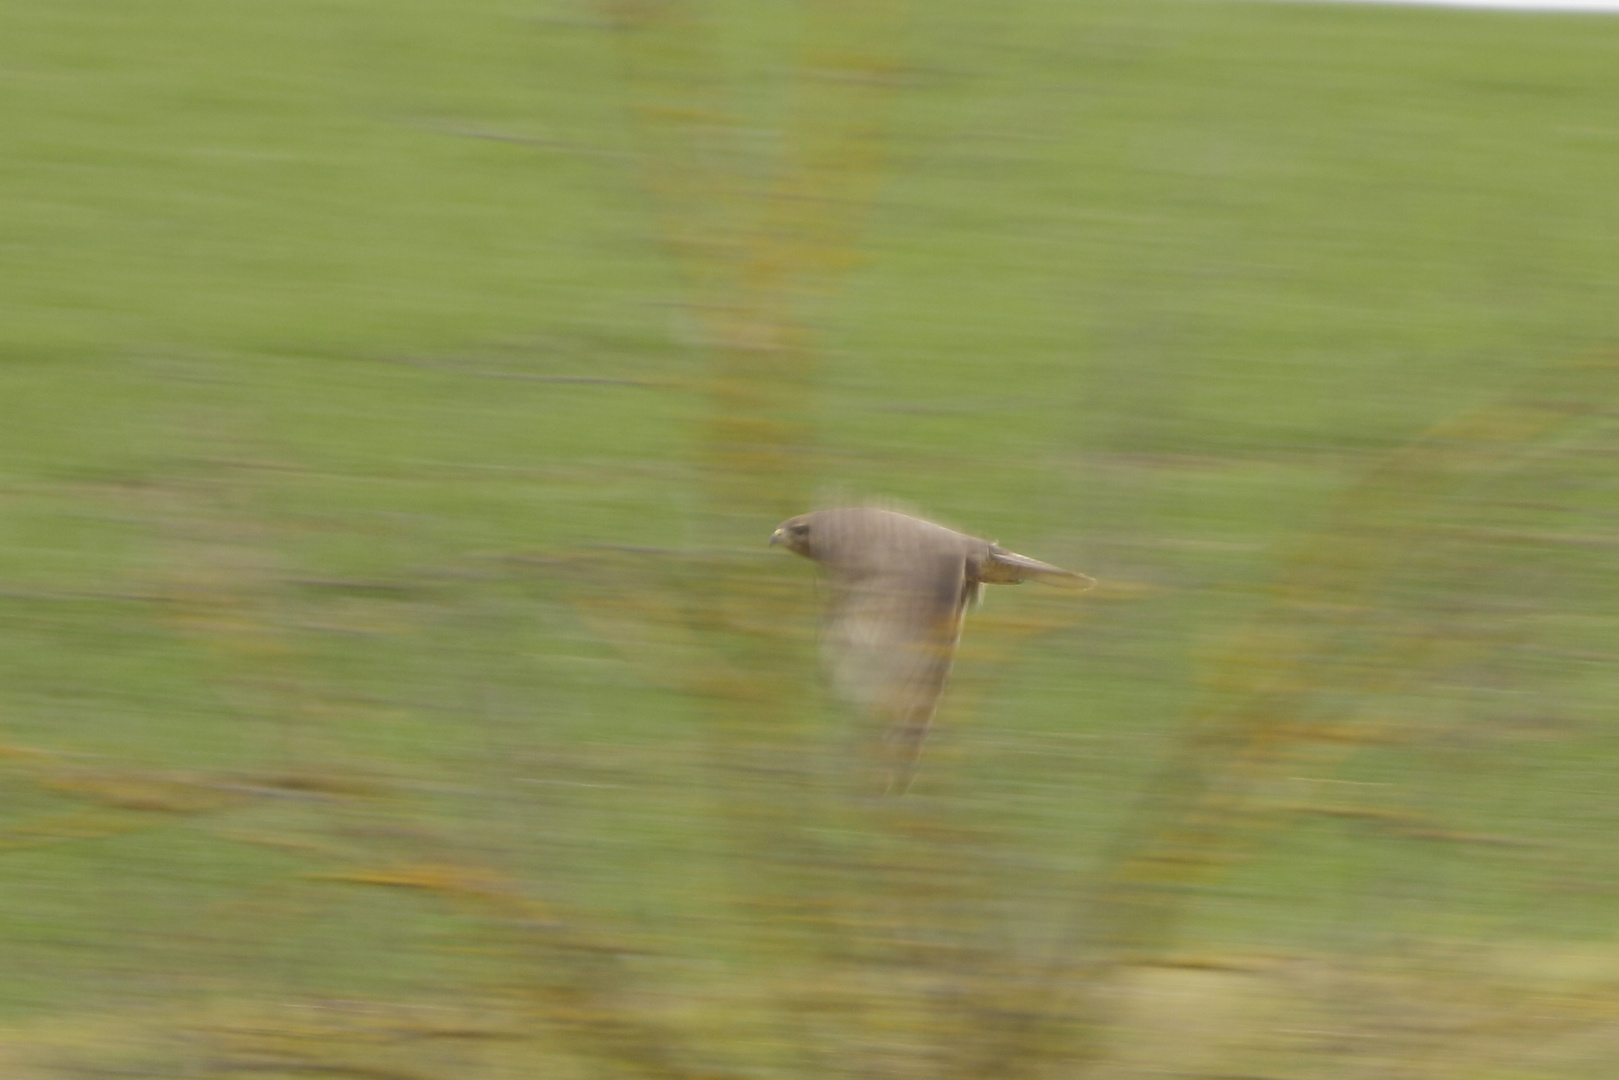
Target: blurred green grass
[(291, 462)]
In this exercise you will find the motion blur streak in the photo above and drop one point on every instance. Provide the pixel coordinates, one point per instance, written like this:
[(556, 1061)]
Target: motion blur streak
[(397, 399)]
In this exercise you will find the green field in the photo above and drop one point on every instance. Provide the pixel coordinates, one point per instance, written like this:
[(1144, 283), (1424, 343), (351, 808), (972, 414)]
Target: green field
[(394, 682)]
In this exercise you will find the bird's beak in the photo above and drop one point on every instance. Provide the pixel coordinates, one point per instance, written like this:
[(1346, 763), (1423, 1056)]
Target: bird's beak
[(777, 537)]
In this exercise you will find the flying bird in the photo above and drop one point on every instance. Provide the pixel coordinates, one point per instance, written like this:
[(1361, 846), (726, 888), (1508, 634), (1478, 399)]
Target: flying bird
[(900, 587)]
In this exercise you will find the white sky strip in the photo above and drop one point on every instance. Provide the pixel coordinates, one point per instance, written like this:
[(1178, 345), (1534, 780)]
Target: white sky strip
[(1611, 6)]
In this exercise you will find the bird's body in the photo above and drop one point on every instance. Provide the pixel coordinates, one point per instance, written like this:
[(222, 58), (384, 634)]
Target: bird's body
[(900, 588)]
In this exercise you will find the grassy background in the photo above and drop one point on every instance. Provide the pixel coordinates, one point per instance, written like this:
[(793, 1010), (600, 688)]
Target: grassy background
[(295, 493)]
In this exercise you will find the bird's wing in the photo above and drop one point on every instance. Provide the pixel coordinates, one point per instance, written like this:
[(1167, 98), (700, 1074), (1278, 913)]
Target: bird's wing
[(891, 636), (890, 642), (1002, 567)]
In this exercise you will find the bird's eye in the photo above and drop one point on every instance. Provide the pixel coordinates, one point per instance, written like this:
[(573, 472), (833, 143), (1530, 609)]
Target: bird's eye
[(801, 529)]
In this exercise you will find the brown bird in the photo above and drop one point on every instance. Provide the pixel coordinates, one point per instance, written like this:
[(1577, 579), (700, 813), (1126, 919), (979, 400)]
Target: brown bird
[(900, 588)]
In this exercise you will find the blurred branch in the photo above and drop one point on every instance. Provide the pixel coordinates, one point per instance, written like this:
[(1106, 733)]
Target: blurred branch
[(1334, 625)]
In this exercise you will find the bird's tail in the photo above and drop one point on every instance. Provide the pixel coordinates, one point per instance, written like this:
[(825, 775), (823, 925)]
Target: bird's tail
[(1009, 568)]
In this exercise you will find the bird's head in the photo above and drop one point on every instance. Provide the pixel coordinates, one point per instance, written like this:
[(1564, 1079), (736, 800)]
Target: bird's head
[(794, 535)]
